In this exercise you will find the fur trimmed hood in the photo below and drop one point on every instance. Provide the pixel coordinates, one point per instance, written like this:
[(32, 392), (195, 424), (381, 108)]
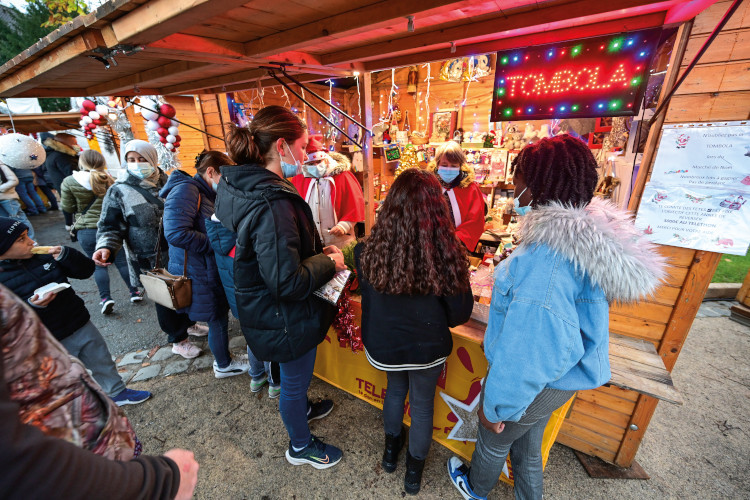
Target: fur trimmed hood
[(465, 168), (59, 147), (602, 242), (343, 163)]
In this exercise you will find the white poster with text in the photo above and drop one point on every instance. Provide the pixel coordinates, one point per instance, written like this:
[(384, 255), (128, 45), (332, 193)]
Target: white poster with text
[(699, 188)]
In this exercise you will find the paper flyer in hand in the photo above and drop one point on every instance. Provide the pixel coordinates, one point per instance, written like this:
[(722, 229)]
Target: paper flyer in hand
[(333, 290)]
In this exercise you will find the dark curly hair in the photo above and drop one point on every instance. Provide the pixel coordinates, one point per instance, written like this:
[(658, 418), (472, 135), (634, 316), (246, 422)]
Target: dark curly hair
[(559, 168), (413, 248)]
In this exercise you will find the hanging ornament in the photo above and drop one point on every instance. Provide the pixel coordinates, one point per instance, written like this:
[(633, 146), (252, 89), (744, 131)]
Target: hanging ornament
[(160, 128), (21, 151), (347, 332), (408, 159)]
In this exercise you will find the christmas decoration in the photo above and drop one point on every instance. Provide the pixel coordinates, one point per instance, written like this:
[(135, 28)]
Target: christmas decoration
[(161, 129), (347, 332), (408, 160), (93, 115), (21, 151)]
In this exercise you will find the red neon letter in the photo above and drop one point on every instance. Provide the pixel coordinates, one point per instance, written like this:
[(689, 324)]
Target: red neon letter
[(619, 76)]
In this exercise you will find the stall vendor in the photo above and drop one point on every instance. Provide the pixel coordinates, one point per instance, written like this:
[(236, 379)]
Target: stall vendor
[(465, 199), (333, 193)]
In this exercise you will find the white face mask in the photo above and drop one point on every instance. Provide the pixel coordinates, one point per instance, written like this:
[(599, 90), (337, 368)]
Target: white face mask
[(317, 170), (141, 169)]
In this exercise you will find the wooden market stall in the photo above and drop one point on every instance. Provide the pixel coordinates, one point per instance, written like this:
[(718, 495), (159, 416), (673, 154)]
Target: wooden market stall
[(207, 49)]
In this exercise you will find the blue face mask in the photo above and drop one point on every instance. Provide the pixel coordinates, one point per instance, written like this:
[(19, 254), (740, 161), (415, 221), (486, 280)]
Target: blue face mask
[(448, 174), (215, 186), (517, 204), (289, 169)]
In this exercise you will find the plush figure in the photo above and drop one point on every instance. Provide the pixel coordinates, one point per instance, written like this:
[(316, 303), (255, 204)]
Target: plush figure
[(544, 131), (333, 193)]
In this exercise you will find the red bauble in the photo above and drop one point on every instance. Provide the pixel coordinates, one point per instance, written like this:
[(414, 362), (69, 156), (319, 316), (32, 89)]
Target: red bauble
[(178, 139), (84, 112), (164, 121), (91, 126), (176, 144), (163, 140), (88, 105), (162, 131), (167, 110), (99, 122)]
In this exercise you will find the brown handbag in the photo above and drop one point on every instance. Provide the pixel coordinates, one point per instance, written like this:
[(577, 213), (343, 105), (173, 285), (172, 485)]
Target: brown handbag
[(174, 292)]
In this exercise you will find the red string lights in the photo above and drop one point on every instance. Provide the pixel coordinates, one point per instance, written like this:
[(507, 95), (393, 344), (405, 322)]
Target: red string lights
[(591, 77)]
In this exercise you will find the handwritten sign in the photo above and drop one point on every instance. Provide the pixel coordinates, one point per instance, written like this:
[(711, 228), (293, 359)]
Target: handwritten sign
[(699, 189)]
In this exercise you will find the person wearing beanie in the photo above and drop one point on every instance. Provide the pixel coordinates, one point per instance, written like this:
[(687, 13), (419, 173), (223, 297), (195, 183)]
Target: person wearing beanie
[(63, 313), (131, 215), (82, 193), (9, 205), (333, 193)]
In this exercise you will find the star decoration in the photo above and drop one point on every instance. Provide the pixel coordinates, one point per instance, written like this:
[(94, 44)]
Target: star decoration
[(33, 157), (468, 419)]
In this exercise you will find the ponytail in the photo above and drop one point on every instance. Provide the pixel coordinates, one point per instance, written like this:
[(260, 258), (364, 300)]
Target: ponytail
[(94, 162), (254, 144)]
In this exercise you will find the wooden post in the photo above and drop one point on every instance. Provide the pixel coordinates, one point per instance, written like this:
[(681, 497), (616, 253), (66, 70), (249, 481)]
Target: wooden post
[(365, 101), (654, 134)]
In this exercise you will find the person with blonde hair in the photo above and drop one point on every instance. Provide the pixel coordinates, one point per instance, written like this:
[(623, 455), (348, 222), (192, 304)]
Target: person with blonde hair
[(82, 194), (465, 199)]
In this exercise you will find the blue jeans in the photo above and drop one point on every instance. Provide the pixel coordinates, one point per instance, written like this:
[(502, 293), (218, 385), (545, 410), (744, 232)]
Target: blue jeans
[(296, 376), (218, 340), (27, 192), (88, 345), (50, 196), (12, 209), (524, 441), (420, 384), (258, 368), (87, 239)]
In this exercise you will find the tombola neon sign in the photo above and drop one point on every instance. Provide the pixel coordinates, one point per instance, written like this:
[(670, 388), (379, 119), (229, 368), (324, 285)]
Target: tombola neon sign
[(600, 76)]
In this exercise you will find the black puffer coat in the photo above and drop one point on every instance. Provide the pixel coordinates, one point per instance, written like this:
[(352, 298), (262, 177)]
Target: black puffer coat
[(278, 263)]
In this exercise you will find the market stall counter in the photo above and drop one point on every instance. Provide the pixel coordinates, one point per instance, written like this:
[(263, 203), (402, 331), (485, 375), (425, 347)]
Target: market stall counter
[(635, 366)]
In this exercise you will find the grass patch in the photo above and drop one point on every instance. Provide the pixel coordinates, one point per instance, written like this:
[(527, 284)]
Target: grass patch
[(732, 269)]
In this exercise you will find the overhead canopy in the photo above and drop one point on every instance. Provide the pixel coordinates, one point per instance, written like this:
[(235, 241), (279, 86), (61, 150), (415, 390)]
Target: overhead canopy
[(40, 122), (210, 46)]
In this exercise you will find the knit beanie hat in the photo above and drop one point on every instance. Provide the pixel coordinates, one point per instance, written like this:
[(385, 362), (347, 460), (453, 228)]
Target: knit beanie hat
[(144, 149), (10, 231)]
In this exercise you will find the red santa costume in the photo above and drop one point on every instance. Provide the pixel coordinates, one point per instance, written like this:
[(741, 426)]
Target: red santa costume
[(467, 207), (333, 193)]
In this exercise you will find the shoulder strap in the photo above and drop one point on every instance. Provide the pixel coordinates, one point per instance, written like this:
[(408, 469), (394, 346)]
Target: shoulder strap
[(146, 194), (158, 241), (88, 206)]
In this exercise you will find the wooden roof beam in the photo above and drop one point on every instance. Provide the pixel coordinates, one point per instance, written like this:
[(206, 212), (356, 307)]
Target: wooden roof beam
[(144, 78), (472, 28), (198, 86), (265, 82), (24, 78), (377, 15), (601, 28), (157, 19)]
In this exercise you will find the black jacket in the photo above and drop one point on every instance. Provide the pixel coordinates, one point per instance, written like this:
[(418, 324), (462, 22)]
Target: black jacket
[(67, 312), (278, 263), (60, 163), (405, 332)]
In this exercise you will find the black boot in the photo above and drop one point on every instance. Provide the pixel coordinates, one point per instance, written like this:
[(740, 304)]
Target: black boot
[(393, 445), (413, 478)]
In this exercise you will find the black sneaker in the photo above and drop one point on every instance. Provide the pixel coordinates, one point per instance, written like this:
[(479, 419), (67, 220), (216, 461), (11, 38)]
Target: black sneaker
[(318, 410), (317, 453)]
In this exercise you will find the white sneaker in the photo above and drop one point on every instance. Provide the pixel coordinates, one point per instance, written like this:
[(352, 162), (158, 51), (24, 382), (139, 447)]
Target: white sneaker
[(68, 228), (198, 330), (186, 349), (237, 366)]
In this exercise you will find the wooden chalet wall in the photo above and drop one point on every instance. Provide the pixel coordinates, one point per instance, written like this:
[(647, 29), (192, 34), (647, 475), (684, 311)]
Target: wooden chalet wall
[(610, 422), (213, 114)]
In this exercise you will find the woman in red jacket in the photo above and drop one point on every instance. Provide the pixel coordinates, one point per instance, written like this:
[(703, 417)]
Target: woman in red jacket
[(465, 199)]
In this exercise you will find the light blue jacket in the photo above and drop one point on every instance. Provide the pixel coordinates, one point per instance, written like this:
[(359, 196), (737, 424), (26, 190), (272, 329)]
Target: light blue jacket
[(549, 316)]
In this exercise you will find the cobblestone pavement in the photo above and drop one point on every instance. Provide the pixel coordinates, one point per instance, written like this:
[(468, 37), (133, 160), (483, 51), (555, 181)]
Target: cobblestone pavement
[(715, 308)]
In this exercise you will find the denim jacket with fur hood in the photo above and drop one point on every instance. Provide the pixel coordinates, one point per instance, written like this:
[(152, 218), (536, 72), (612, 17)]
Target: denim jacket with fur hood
[(549, 317)]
